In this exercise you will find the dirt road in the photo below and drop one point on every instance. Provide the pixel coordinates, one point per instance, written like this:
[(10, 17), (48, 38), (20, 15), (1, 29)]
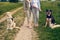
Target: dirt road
[(25, 32)]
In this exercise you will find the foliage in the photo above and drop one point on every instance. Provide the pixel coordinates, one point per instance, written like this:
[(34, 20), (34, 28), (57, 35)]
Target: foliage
[(13, 0)]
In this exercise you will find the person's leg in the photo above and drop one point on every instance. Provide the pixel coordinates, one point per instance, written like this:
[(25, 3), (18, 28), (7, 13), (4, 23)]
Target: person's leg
[(27, 13), (28, 16), (31, 18), (37, 17), (34, 11)]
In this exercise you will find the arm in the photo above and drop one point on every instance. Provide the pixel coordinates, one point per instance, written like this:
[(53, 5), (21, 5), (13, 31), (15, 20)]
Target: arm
[(28, 1), (39, 5)]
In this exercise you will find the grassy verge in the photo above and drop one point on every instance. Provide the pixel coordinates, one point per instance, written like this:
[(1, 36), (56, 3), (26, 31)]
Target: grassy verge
[(46, 33), (10, 34), (6, 6)]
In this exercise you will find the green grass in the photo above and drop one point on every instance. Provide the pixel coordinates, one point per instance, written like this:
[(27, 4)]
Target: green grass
[(46, 33), (6, 6), (11, 34), (18, 17)]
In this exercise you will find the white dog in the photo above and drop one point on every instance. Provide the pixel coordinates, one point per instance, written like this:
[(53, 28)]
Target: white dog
[(10, 22)]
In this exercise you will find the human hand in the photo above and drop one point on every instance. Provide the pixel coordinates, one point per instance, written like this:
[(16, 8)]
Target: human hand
[(40, 10)]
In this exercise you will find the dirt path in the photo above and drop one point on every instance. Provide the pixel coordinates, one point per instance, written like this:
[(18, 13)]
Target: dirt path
[(26, 33), (12, 12)]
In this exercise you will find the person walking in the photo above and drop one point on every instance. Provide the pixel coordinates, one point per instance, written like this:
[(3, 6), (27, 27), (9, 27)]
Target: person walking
[(35, 10), (27, 10)]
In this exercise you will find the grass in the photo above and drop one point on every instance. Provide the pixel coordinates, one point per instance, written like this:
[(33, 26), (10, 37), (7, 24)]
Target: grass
[(6, 6), (10, 34), (18, 17), (46, 33)]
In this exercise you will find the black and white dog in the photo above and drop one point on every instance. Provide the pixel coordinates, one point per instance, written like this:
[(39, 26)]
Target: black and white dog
[(50, 19)]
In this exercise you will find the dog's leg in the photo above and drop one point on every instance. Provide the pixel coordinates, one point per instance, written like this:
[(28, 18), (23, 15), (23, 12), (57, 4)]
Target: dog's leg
[(47, 21), (14, 25), (50, 22), (46, 24), (55, 26), (8, 26), (11, 24)]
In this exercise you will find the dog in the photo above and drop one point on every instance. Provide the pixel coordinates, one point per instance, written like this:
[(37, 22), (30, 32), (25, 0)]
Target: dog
[(50, 20), (10, 21), (48, 17)]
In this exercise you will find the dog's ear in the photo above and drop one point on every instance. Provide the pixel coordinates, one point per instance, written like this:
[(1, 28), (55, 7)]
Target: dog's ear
[(50, 10), (46, 10)]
